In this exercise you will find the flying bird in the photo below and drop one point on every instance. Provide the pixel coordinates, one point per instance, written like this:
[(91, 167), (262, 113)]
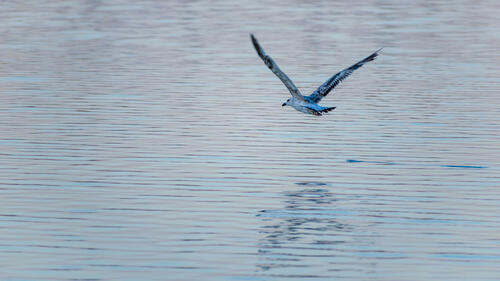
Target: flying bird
[(308, 104)]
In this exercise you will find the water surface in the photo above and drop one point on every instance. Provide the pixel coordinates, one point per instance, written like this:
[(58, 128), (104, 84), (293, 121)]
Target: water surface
[(146, 141)]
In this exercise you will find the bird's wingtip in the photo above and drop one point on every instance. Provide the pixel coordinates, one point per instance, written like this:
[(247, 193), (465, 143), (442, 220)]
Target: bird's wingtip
[(256, 45), (254, 40), (374, 55)]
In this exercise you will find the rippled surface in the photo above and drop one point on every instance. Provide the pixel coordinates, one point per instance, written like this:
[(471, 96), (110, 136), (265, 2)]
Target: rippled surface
[(146, 141)]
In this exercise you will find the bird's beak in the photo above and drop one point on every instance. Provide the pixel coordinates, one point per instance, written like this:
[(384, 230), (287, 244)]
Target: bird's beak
[(283, 104)]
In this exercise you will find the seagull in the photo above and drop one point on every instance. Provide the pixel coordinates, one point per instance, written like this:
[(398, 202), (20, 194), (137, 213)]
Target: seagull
[(308, 104)]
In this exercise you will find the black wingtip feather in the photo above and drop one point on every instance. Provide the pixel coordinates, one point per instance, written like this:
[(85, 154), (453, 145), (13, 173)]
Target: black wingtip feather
[(256, 45), (373, 56)]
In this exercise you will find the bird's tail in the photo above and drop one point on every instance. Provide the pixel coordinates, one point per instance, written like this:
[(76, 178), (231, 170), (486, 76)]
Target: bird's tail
[(323, 111), (327, 109)]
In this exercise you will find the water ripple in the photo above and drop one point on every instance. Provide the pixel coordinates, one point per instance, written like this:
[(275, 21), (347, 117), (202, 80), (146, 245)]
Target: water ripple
[(144, 140)]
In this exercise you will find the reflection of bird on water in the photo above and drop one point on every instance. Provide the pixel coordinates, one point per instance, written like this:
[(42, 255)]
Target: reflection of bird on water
[(308, 104), (306, 221)]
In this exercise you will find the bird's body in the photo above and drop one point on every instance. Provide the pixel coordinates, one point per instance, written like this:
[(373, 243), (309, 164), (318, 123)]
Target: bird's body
[(308, 104)]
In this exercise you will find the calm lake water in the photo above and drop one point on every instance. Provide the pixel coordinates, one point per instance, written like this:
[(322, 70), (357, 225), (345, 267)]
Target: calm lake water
[(146, 141)]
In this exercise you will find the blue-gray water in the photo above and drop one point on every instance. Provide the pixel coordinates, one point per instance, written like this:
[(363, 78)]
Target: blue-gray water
[(146, 141)]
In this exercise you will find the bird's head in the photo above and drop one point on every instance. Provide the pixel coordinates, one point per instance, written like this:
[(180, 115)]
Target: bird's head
[(286, 102)]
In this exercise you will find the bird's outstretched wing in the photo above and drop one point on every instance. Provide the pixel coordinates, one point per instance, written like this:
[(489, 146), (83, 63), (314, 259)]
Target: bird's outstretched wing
[(276, 70), (329, 84)]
